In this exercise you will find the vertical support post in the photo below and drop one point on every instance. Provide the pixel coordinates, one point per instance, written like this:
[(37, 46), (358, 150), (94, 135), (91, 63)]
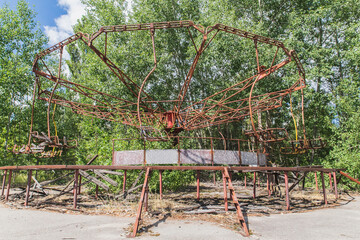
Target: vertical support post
[(335, 185), (268, 183), (245, 180), (316, 181), (97, 192), (212, 159), (304, 180), (146, 200), (79, 188), (144, 152), (124, 181), (8, 186), (160, 181), (141, 201), (239, 152), (225, 191), (75, 190), (28, 188), (330, 181), (179, 151), (198, 185), (254, 186), (323, 187), (3, 183), (287, 191)]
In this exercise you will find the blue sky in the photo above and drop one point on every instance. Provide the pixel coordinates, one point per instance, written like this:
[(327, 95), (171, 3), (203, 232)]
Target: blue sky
[(47, 10), (55, 16)]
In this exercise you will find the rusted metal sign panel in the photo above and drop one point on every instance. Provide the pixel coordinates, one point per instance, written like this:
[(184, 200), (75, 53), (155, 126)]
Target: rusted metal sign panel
[(188, 156), (195, 156), (226, 157), (128, 157), (165, 156)]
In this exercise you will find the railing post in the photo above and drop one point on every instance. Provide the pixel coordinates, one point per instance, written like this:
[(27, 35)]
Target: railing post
[(160, 183), (198, 185), (330, 181), (245, 180), (323, 187), (254, 186), (75, 190), (124, 182), (225, 191), (335, 185), (8, 186), (268, 183), (287, 191), (212, 159), (79, 187), (97, 192), (3, 183), (28, 188)]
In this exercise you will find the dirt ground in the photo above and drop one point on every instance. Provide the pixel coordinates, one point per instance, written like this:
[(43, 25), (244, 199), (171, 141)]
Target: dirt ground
[(178, 211)]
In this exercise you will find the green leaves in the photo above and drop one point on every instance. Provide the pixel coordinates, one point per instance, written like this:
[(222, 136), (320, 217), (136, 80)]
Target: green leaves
[(20, 40)]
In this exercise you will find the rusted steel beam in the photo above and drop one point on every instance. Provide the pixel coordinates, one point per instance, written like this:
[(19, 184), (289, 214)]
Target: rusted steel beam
[(160, 183), (335, 185), (349, 177), (254, 186), (245, 180), (141, 201), (75, 190), (124, 181), (97, 192), (209, 168), (146, 201), (142, 26), (323, 187), (236, 203), (28, 188), (3, 182), (8, 186), (79, 187), (287, 191), (330, 181), (59, 45), (225, 191), (268, 184), (198, 185)]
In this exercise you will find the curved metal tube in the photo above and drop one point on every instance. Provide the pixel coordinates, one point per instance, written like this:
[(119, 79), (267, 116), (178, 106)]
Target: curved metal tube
[(152, 31), (52, 92)]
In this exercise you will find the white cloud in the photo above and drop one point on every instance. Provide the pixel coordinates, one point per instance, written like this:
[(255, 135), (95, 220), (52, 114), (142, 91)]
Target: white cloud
[(63, 29)]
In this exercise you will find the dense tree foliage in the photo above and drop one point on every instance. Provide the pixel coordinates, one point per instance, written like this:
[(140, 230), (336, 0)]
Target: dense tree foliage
[(20, 39), (324, 33)]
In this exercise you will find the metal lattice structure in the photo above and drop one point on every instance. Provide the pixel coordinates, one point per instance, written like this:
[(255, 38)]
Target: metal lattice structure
[(143, 110)]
